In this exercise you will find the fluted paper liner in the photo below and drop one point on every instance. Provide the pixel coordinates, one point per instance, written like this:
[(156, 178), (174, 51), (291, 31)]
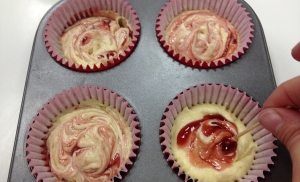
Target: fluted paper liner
[(237, 102), (72, 11), (228, 9), (37, 134)]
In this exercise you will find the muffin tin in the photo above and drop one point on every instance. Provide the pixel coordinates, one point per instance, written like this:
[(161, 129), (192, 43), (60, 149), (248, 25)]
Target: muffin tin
[(148, 79)]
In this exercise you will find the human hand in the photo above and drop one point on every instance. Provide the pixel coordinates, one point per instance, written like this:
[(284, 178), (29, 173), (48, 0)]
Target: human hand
[(296, 52), (284, 122)]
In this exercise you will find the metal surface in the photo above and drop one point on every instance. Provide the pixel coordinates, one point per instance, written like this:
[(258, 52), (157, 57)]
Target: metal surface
[(148, 79)]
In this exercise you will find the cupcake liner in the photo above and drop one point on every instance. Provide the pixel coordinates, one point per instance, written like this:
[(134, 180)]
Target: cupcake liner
[(237, 102), (228, 9), (72, 11), (36, 150)]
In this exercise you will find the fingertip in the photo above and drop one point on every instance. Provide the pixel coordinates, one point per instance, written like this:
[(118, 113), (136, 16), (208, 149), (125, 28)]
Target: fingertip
[(270, 120), (296, 52)]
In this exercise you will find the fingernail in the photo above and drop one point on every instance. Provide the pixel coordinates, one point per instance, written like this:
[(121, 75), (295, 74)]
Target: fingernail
[(270, 120)]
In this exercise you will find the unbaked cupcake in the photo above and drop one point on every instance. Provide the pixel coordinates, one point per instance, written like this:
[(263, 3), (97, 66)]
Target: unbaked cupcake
[(197, 134), (84, 134), (204, 33), (92, 35)]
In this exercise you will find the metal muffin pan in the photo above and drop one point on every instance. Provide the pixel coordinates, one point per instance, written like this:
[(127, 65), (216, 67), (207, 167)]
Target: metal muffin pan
[(148, 79)]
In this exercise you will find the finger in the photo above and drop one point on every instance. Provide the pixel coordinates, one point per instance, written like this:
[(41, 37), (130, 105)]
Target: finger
[(285, 125), (286, 94), (296, 52)]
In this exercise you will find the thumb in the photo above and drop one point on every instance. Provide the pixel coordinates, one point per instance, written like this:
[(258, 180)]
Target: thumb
[(296, 52), (285, 125)]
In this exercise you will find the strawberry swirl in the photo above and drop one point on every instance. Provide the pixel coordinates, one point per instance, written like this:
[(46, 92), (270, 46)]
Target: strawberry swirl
[(201, 36), (209, 140), (89, 144), (96, 40), (203, 147)]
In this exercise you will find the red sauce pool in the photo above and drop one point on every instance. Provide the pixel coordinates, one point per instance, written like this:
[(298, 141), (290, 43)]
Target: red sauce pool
[(219, 150)]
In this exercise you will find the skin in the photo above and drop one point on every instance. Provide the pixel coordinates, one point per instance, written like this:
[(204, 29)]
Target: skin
[(296, 52), (281, 116)]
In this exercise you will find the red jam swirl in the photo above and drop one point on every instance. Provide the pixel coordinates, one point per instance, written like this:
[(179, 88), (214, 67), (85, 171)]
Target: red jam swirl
[(201, 35), (209, 140), (96, 40), (91, 144)]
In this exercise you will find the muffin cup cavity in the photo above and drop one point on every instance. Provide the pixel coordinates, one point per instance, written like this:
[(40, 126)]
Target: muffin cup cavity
[(227, 9), (70, 12), (237, 102), (36, 149)]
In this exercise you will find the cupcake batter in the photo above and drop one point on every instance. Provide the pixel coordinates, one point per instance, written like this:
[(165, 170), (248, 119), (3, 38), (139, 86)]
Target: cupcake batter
[(91, 142), (201, 35), (202, 146), (96, 40)]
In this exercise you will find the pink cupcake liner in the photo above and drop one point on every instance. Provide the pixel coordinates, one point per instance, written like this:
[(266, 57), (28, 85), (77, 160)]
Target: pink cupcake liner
[(237, 102), (228, 9), (36, 150), (72, 11)]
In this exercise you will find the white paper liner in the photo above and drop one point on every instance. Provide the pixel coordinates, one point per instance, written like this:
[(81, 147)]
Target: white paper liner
[(72, 11), (228, 9), (237, 102), (37, 134)]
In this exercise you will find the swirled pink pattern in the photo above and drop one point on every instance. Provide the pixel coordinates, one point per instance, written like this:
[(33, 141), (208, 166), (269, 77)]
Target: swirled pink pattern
[(201, 36), (89, 144), (208, 142), (96, 40)]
